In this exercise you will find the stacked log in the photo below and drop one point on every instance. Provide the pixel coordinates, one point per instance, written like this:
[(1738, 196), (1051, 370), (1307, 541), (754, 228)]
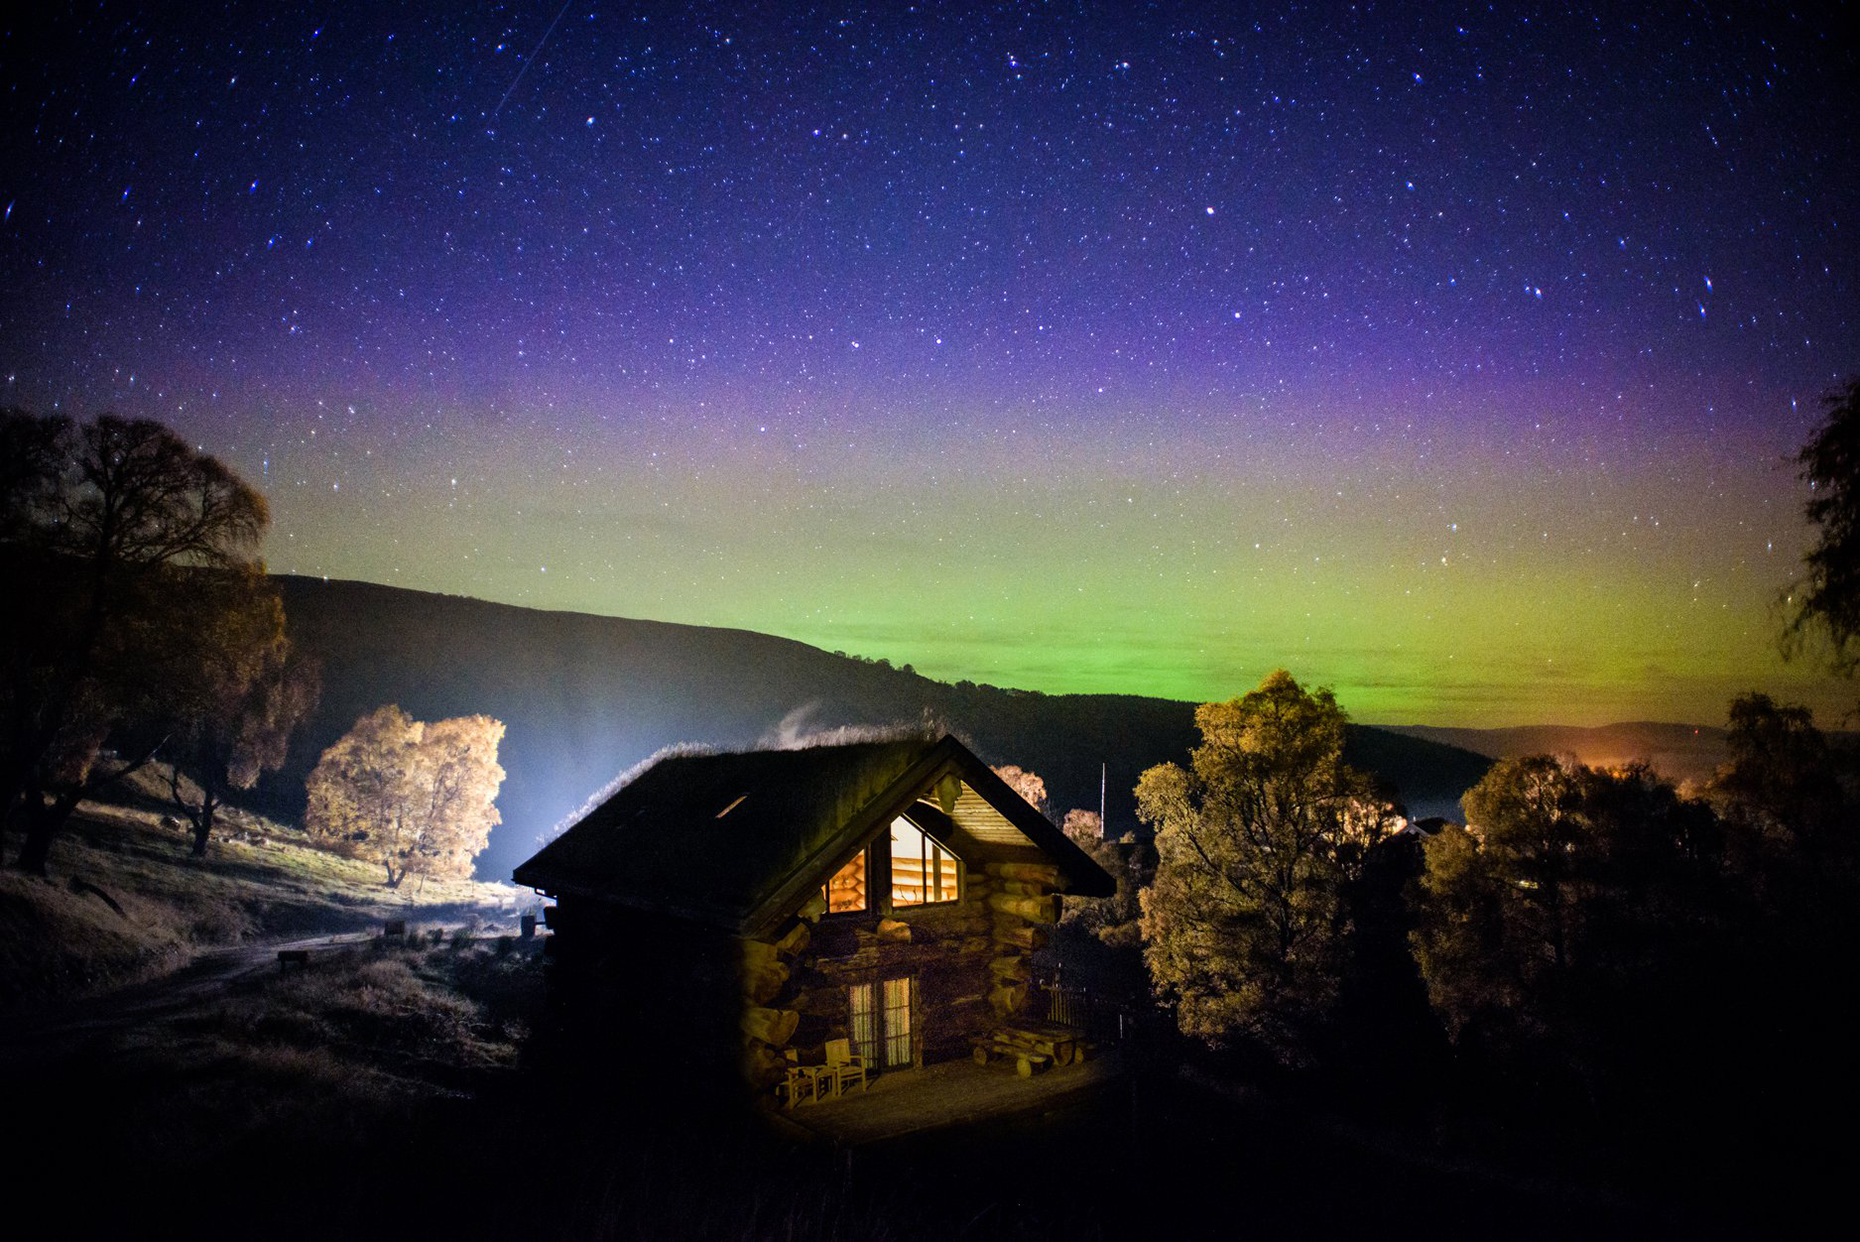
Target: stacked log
[(766, 967), (764, 973), (1021, 899)]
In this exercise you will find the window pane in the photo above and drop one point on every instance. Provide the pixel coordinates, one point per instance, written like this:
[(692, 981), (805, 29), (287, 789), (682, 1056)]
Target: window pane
[(846, 890), (946, 889), (907, 864), (897, 1022), (864, 1021), (921, 870)]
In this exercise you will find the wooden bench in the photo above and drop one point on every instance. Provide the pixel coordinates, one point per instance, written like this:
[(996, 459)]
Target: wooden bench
[(1026, 1061), (1058, 1043)]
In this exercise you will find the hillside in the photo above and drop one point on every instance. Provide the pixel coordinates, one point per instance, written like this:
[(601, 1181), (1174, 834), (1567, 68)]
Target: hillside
[(587, 697), (130, 903), (1680, 752)]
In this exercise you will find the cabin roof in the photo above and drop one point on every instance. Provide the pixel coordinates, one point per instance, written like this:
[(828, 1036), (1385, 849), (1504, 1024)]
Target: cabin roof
[(741, 840)]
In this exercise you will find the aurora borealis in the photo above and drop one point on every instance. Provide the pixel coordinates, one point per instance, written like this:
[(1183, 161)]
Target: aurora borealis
[(1451, 357)]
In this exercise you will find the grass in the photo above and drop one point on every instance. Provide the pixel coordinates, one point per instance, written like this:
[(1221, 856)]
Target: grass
[(259, 881)]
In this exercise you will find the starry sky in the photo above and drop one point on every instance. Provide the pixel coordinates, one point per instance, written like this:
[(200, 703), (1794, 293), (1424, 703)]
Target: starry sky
[(1450, 356)]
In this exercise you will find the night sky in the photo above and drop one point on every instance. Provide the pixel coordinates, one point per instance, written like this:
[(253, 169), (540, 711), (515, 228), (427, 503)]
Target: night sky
[(1452, 357)]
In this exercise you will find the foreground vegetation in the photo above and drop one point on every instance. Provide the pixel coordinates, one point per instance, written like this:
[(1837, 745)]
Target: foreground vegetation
[(130, 901)]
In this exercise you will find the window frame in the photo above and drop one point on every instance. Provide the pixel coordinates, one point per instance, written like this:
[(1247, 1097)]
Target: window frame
[(931, 846)]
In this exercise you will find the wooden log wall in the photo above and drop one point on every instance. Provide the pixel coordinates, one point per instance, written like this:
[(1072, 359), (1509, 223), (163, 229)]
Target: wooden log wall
[(762, 997), (971, 960), (1025, 904)]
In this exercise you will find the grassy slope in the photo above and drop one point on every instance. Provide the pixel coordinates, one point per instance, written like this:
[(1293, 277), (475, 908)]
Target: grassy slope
[(258, 882)]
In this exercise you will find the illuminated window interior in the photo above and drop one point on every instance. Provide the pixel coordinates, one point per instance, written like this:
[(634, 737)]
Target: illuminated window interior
[(921, 870), (881, 1021), (846, 890)]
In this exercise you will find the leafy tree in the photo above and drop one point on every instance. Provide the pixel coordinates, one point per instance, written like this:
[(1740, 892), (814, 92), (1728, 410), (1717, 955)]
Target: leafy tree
[(416, 798), (1257, 843), (1028, 785), (1574, 930), (1826, 602), (235, 714), (1782, 779), (112, 523), (1111, 919)]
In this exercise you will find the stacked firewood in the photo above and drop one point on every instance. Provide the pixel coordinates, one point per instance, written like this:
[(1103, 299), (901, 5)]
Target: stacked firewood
[(765, 969), (1023, 903)]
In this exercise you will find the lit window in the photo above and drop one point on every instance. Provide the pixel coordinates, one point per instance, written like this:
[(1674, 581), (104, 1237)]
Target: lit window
[(846, 890), (921, 870)]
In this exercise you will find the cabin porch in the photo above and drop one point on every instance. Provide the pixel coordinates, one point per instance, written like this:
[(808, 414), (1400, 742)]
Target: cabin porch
[(945, 1094)]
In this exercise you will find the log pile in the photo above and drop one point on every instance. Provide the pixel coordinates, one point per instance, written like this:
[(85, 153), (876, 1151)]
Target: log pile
[(766, 966), (1022, 900)]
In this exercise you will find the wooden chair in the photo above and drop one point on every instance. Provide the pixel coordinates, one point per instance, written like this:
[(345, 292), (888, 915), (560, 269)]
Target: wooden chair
[(844, 1066), (801, 1084)]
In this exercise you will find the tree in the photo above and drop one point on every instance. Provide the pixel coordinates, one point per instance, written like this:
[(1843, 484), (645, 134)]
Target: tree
[(416, 798), (1495, 919), (1257, 843), (111, 522), (1826, 602), (1111, 919), (1782, 778), (1028, 785), (234, 715), (1573, 932)]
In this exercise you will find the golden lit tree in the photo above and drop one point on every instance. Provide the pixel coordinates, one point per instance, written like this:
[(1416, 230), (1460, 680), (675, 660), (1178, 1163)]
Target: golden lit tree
[(1029, 785), (1111, 919), (415, 798), (244, 693), (1257, 842)]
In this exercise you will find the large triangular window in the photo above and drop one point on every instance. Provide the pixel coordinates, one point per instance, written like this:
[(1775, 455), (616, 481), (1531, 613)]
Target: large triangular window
[(922, 870)]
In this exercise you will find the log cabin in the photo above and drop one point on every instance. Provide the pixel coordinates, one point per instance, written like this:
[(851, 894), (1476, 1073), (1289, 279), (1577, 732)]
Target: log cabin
[(747, 908)]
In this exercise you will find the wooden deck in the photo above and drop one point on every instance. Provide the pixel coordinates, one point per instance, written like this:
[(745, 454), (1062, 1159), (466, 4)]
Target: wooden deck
[(946, 1095)]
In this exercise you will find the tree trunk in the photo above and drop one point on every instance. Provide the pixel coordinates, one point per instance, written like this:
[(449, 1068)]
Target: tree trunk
[(37, 847), (43, 822), (203, 826)]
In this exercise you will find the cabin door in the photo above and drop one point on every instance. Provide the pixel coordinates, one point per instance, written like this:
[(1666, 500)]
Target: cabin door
[(882, 1018)]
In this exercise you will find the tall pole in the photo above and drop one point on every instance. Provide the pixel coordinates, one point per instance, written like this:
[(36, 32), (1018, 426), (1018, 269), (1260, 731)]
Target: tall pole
[(1103, 835)]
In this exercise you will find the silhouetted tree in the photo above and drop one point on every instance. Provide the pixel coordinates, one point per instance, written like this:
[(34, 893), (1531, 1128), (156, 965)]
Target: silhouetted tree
[(1574, 933), (104, 522), (1257, 843), (234, 713), (416, 798), (1827, 600)]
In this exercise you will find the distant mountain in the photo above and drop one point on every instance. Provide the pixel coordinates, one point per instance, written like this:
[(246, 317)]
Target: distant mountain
[(586, 697), (1679, 752)]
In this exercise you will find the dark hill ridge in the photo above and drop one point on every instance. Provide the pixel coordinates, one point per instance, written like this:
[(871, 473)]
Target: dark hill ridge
[(585, 697), (1679, 752)]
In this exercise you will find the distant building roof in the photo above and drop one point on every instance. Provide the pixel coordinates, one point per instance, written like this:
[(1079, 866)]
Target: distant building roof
[(742, 840)]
